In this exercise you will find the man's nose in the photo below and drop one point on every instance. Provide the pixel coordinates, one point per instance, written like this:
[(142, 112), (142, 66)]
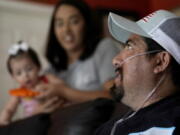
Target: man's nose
[(117, 61)]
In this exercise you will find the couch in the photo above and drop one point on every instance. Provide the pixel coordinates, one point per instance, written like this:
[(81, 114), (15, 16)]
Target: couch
[(78, 119)]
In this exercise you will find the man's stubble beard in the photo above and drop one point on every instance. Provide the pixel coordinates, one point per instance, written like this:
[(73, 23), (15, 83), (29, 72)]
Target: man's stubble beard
[(117, 92)]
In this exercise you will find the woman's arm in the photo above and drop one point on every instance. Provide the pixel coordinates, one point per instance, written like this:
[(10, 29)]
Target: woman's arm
[(103, 62), (76, 96), (9, 111), (57, 87)]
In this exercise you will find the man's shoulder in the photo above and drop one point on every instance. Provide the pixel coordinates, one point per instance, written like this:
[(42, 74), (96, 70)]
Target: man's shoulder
[(105, 129), (177, 125)]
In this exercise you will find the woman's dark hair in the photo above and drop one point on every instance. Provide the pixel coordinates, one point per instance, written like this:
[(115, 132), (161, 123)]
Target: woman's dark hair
[(30, 53), (55, 54), (175, 67), (103, 12)]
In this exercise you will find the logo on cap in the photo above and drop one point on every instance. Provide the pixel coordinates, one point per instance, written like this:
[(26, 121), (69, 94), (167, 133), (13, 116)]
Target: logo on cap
[(148, 17)]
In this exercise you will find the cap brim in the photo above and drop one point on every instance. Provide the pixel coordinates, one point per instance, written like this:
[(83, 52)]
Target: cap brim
[(121, 28)]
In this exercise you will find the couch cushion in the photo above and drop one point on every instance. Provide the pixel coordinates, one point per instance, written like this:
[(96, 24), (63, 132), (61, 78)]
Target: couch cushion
[(81, 119), (35, 125)]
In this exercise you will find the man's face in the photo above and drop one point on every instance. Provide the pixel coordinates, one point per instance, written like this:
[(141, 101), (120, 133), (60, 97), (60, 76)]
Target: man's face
[(133, 76)]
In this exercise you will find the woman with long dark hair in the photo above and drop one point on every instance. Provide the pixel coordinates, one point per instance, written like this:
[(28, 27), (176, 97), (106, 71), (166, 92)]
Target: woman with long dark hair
[(76, 57)]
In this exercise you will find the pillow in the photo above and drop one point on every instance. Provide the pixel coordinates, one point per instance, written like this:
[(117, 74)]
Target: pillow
[(81, 119), (35, 125)]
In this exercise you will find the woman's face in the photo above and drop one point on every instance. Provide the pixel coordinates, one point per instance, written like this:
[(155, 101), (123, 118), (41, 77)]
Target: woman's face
[(69, 27)]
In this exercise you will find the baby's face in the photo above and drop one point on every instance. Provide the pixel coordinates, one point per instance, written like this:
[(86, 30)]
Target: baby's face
[(25, 72)]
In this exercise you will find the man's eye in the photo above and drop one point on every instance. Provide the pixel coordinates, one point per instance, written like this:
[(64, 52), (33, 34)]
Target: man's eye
[(128, 46)]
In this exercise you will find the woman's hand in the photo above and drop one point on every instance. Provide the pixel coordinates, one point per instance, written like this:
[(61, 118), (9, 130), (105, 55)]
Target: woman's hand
[(46, 91), (48, 105), (51, 90), (54, 87)]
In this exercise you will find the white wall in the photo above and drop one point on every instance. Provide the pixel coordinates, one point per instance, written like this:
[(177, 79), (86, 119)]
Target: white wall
[(20, 21)]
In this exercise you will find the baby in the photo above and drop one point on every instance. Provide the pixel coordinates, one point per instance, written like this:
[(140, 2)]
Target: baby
[(24, 67)]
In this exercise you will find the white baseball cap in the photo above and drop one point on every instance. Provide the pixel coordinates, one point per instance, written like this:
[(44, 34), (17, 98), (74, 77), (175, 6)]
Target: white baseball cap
[(162, 26)]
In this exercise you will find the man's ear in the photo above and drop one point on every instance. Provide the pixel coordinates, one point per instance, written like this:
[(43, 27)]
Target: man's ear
[(162, 60)]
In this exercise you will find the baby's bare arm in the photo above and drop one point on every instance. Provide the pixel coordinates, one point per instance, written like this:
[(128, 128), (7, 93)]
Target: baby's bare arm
[(9, 111)]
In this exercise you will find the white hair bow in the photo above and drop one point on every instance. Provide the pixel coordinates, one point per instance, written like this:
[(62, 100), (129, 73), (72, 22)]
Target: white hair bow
[(16, 47)]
